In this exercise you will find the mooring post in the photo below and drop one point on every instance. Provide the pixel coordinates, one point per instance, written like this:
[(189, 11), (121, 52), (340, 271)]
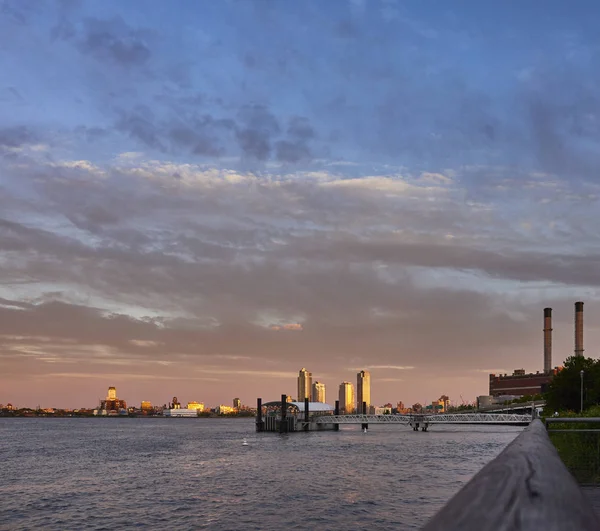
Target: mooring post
[(336, 412), (283, 423), (259, 421), (364, 426), (305, 413)]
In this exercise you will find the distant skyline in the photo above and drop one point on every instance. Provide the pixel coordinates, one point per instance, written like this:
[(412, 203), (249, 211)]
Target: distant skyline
[(197, 199)]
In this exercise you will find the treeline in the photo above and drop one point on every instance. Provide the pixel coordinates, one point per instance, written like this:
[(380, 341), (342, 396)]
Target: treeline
[(565, 391)]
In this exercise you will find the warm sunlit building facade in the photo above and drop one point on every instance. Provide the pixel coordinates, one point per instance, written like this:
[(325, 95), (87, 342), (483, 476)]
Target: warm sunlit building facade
[(318, 392), (346, 398), (363, 389), (237, 404), (224, 410), (146, 405), (111, 405), (304, 384), (197, 406)]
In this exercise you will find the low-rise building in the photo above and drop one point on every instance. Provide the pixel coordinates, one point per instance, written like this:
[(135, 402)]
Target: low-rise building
[(520, 384)]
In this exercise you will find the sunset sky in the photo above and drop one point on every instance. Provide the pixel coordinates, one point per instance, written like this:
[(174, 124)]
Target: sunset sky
[(197, 199)]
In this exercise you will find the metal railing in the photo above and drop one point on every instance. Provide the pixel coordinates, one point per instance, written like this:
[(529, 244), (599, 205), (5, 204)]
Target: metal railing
[(458, 418)]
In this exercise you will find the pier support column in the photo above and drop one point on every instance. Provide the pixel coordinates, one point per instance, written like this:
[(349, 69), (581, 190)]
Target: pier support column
[(364, 425), (283, 424), (260, 426), (336, 412), (305, 414)]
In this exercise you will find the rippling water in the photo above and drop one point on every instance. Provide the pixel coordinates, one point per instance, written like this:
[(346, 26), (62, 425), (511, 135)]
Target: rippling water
[(115, 473)]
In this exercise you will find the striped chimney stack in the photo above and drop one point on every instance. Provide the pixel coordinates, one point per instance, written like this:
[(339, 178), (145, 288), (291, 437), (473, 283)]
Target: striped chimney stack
[(547, 340), (579, 329)]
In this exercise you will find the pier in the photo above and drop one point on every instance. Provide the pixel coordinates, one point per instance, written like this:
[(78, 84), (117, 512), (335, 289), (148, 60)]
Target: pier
[(286, 417)]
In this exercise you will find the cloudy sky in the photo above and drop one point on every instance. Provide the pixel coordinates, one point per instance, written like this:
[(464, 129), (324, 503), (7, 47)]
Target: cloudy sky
[(200, 198)]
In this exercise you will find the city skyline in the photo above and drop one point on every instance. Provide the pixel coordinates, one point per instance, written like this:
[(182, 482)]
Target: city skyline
[(197, 200)]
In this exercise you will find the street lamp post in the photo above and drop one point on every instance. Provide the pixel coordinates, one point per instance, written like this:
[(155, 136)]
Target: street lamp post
[(581, 408)]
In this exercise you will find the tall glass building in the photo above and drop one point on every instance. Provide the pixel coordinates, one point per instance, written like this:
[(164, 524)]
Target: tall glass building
[(318, 392), (363, 390), (346, 398), (304, 384)]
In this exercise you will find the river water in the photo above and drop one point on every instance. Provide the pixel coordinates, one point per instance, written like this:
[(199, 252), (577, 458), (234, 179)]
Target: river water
[(157, 473)]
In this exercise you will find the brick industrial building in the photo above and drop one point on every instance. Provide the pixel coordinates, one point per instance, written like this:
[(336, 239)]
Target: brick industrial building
[(521, 384)]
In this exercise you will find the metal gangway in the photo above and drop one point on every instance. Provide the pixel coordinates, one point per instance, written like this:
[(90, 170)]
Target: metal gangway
[(424, 420)]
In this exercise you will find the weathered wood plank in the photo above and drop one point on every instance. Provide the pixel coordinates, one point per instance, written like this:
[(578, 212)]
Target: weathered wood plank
[(526, 488)]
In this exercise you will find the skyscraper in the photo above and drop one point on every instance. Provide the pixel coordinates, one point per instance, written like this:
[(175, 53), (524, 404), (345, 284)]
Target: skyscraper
[(304, 384), (363, 390), (318, 392), (346, 398)]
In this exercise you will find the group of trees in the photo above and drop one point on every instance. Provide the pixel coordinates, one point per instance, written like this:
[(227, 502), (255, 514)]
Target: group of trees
[(564, 392)]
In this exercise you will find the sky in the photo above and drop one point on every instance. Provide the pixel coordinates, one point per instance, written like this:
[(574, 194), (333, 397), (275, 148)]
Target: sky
[(198, 199)]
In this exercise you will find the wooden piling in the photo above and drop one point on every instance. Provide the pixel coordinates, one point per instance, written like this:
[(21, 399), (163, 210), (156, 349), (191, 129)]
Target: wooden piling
[(336, 412)]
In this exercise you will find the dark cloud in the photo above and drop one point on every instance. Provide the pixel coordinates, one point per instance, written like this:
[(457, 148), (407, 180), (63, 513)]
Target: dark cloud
[(256, 131), (291, 152), (561, 113), (300, 128), (15, 11), (258, 127), (200, 135), (113, 40), (295, 148), (139, 124), (13, 137), (91, 134)]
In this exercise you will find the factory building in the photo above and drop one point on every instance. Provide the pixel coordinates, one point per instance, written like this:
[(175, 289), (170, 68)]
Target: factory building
[(521, 384)]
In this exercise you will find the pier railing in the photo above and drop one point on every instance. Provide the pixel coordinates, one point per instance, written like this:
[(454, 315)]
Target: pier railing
[(527, 488)]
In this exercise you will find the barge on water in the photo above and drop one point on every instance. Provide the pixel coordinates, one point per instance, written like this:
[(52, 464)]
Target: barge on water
[(285, 417)]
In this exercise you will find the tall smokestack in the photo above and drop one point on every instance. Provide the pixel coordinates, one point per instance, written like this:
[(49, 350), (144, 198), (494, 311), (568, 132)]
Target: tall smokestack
[(579, 329), (547, 340)]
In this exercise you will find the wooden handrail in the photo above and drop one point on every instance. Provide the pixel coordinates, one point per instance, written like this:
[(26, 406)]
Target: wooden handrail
[(526, 488)]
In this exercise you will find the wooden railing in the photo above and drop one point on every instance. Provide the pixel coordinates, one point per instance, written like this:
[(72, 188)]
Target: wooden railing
[(526, 488)]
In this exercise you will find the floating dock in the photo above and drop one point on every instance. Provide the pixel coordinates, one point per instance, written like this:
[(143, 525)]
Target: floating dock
[(286, 417)]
